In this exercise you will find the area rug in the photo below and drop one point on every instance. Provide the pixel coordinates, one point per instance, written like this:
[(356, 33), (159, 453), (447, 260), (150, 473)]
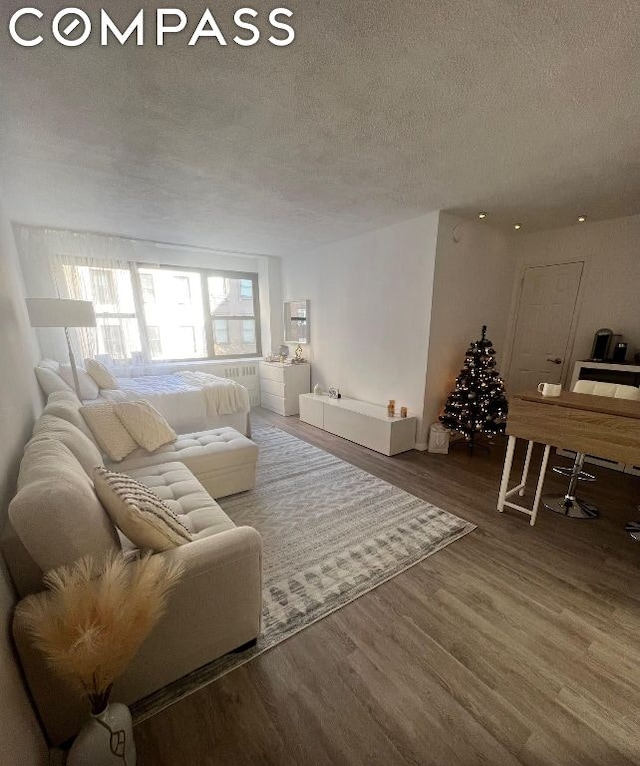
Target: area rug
[(330, 532)]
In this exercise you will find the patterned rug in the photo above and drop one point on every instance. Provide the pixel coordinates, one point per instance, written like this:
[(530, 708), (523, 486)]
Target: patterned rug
[(330, 532)]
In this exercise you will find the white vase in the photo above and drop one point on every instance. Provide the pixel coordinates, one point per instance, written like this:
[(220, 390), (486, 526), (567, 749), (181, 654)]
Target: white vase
[(106, 739)]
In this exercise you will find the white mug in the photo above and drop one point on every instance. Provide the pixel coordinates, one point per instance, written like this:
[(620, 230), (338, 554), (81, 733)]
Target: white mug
[(550, 389)]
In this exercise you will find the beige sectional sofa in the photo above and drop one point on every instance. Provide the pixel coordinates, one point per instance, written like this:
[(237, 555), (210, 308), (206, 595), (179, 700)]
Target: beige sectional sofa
[(56, 517)]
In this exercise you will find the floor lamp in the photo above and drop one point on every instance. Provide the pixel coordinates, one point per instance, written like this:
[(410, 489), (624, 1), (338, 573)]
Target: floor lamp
[(60, 312)]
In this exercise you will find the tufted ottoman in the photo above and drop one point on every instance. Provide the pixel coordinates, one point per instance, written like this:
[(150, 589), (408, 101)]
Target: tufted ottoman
[(223, 460)]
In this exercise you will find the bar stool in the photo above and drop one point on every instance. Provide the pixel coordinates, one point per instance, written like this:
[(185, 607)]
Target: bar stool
[(568, 504)]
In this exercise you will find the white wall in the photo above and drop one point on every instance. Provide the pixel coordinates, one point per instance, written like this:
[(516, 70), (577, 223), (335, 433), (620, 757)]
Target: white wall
[(20, 735), (475, 267), (370, 307), (610, 290), (36, 245)]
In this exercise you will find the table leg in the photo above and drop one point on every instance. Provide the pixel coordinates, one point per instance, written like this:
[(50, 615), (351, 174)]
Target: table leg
[(506, 472), (543, 470), (525, 470)]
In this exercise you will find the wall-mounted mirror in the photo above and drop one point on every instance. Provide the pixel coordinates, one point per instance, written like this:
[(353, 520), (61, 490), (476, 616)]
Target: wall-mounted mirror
[(296, 321)]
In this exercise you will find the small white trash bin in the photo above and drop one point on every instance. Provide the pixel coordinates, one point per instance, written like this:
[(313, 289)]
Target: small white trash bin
[(439, 439)]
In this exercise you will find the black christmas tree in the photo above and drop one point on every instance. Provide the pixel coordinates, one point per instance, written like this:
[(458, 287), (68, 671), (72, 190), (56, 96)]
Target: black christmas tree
[(478, 404)]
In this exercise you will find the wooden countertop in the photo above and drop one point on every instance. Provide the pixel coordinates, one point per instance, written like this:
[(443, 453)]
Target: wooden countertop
[(606, 405)]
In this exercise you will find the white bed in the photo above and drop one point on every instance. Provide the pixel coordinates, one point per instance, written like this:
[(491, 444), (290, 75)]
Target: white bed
[(190, 401)]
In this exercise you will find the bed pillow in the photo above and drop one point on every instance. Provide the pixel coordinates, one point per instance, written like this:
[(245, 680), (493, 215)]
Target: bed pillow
[(88, 387), (101, 374), (47, 373), (112, 437), (139, 513), (145, 424)]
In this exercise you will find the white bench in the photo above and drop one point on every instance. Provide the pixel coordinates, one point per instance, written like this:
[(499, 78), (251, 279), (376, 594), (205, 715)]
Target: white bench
[(359, 422)]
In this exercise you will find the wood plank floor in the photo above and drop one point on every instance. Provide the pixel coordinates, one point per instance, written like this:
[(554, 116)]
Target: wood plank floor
[(511, 646)]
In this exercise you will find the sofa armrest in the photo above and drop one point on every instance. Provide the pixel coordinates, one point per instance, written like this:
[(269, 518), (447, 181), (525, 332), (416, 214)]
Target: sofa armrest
[(207, 554), (214, 608)]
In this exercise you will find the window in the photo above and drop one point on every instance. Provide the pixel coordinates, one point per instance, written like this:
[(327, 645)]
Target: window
[(103, 289), (234, 300), (155, 341), (221, 331), (187, 339), (113, 339), (148, 287), (183, 289), (163, 313), (248, 331)]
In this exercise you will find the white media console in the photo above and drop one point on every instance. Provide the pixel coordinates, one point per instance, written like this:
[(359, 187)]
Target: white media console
[(359, 422)]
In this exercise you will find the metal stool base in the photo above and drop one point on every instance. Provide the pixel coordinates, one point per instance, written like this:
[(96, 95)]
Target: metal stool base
[(570, 507)]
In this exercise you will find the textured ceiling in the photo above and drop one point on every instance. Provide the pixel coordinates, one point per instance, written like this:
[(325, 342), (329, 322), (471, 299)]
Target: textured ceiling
[(378, 112)]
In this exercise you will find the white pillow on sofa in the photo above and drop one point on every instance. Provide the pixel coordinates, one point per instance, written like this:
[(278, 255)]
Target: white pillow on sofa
[(108, 431), (138, 512), (100, 373), (145, 424), (47, 373), (88, 387)]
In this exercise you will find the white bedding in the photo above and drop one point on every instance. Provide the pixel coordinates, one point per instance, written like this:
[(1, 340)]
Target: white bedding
[(189, 401)]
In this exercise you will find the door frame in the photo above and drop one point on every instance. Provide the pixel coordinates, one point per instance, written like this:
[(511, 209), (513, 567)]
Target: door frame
[(573, 328)]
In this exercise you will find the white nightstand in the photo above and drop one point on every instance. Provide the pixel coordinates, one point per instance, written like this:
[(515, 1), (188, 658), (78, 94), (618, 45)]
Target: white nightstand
[(282, 384)]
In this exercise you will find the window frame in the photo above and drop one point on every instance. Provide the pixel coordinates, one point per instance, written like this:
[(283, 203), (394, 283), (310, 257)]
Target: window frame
[(133, 268)]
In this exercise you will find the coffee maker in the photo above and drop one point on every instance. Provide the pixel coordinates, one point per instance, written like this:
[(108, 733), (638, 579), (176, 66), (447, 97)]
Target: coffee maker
[(601, 345)]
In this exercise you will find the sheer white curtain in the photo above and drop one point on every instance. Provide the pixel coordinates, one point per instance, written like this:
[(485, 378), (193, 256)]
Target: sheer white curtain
[(101, 270)]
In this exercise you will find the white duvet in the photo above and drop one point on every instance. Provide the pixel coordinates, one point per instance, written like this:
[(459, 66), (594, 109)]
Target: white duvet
[(185, 397)]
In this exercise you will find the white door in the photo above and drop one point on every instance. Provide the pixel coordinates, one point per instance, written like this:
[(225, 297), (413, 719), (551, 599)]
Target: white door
[(543, 325)]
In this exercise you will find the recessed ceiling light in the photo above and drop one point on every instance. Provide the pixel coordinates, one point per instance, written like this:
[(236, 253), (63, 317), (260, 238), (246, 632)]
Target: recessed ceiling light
[(582, 218), (517, 226), (482, 215)]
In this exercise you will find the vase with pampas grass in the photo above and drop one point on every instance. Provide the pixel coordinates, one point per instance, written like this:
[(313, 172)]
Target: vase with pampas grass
[(89, 624)]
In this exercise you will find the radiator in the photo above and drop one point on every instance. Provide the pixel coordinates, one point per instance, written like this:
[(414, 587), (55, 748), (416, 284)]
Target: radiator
[(245, 373)]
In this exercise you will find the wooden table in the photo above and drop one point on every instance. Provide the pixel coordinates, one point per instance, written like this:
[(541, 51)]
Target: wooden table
[(597, 425)]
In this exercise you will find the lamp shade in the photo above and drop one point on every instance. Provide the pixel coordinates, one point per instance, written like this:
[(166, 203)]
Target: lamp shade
[(60, 312)]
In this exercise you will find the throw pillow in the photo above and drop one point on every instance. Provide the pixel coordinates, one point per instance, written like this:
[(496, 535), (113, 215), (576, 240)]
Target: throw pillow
[(101, 374), (88, 387), (49, 380), (139, 513), (112, 437), (147, 426)]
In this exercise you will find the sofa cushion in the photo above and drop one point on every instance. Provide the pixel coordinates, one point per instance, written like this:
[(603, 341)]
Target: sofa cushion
[(224, 447), (101, 374), (66, 405), (88, 387), (145, 424), (56, 513), (138, 512), (182, 492), (112, 437), (83, 449)]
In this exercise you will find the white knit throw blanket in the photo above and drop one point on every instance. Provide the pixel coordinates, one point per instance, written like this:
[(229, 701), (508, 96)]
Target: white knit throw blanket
[(224, 397)]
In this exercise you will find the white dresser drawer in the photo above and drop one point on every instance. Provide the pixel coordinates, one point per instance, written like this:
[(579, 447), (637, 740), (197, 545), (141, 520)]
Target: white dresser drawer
[(271, 402), (278, 404), (272, 387), (272, 372)]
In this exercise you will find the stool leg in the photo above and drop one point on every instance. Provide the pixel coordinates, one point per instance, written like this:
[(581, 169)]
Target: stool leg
[(506, 472), (567, 504)]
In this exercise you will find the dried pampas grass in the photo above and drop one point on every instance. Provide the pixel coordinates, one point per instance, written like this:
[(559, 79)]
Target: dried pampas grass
[(94, 617)]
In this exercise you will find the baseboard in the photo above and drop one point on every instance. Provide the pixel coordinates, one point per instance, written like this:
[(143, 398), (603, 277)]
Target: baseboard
[(421, 447)]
